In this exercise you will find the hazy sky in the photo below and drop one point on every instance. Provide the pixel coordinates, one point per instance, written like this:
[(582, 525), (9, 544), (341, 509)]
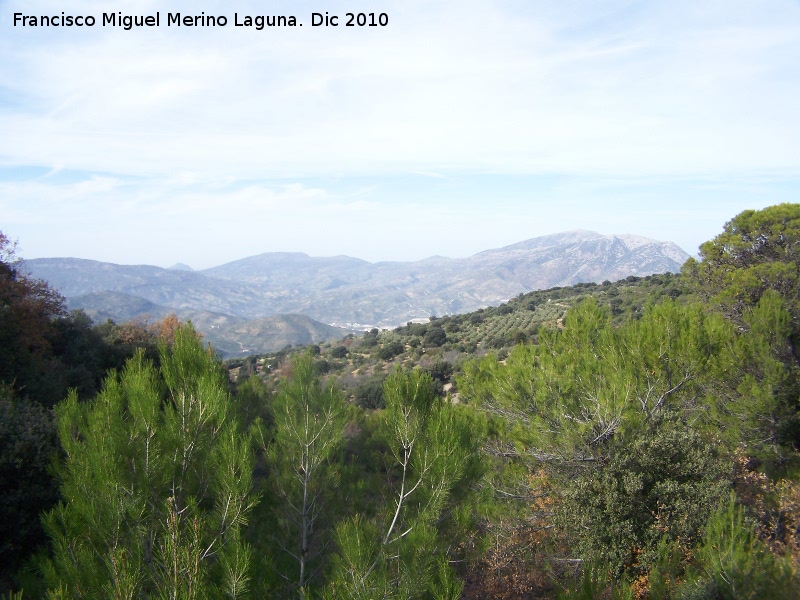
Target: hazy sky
[(462, 125)]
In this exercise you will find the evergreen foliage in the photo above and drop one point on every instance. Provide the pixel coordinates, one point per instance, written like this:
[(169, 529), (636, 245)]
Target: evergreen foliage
[(732, 564), (29, 444), (591, 382), (309, 422), (623, 421), (156, 485), (763, 409), (660, 488), (399, 553), (757, 251)]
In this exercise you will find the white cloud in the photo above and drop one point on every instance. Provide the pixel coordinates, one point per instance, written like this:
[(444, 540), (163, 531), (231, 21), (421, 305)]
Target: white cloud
[(454, 86)]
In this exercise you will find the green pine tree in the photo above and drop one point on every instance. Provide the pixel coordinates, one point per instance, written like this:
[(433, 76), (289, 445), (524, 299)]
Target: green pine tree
[(303, 457), (429, 448), (156, 485)]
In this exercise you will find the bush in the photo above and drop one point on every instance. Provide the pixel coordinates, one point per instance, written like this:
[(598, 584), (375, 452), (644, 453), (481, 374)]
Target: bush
[(441, 370), (390, 350), (339, 352), (519, 337), (29, 443), (505, 309), (661, 486), (369, 394), (435, 337), (476, 318)]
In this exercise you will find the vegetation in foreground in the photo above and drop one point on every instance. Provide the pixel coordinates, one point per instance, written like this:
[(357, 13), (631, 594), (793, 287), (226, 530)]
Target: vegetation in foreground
[(619, 440)]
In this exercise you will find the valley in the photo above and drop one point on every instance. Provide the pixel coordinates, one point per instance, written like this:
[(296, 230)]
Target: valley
[(338, 295)]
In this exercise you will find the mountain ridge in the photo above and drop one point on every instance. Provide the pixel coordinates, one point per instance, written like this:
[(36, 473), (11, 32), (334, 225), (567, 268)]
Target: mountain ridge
[(353, 293)]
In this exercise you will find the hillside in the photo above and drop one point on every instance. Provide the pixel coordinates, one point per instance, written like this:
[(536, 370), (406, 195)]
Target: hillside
[(269, 334), (360, 362), (638, 425), (344, 290), (230, 336)]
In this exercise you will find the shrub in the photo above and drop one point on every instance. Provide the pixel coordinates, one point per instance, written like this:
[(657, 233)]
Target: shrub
[(339, 352), (662, 485), (390, 350), (369, 394)]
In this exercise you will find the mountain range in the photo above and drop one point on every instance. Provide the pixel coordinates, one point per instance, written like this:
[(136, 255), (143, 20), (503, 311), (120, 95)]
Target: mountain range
[(252, 304)]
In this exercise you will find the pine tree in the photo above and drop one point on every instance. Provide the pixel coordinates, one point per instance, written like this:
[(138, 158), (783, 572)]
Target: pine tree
[(156, 485), (732, 563), (760, 407), (758, 250), (309, 422), (398, 553)]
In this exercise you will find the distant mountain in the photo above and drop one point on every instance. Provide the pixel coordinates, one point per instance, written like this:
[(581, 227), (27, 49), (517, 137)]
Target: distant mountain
[(347, 290), (231, 336), (271, 333), (164, 287), (354, 293), (294, 270), (116, 306), (181, 267)]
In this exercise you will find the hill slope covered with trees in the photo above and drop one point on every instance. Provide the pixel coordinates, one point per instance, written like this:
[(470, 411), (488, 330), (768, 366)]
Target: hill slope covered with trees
[(631, 439)]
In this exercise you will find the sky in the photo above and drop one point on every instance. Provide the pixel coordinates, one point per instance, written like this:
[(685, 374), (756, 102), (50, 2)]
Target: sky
[(461, 125)]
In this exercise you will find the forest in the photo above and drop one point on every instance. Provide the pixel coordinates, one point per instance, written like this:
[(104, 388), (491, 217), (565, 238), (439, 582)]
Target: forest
[(632, 439)]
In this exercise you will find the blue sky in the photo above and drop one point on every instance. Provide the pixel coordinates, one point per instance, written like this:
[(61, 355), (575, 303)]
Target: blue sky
[(461, 126)]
